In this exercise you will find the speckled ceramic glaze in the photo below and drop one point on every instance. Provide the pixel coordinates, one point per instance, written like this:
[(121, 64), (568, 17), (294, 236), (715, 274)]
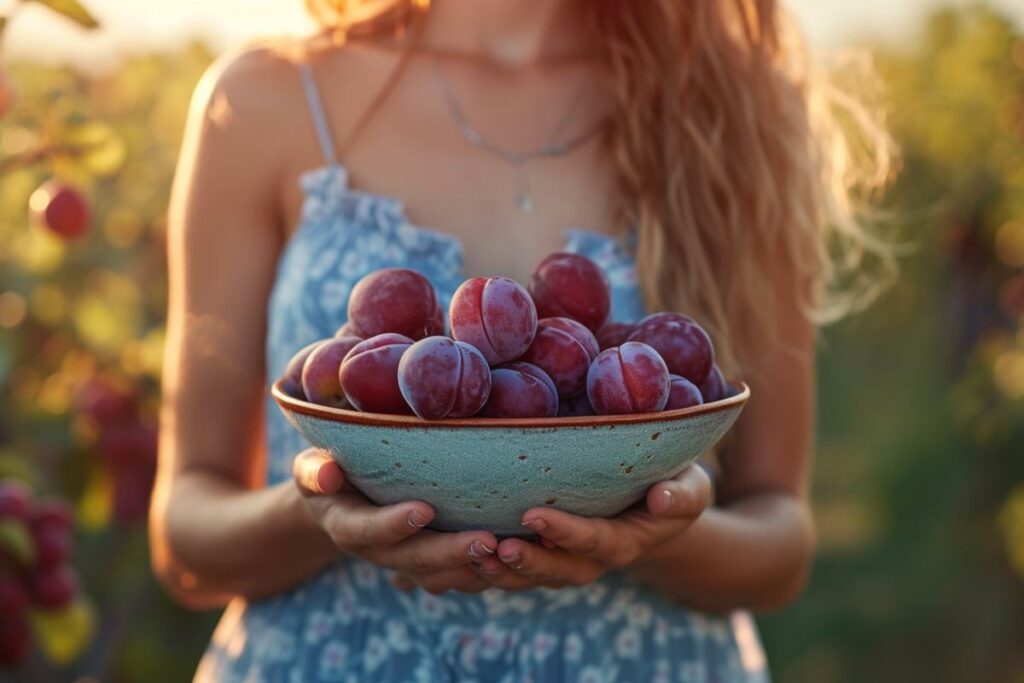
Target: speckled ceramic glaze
[(483, 473)]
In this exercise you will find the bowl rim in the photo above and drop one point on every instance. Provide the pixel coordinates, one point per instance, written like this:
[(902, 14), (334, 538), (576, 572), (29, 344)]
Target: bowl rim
[(292, 404)]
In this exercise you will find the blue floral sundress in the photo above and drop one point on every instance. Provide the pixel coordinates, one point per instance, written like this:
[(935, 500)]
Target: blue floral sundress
[(349, 623)]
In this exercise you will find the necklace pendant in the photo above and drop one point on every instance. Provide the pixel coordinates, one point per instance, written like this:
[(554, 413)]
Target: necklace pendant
[(524, 202)]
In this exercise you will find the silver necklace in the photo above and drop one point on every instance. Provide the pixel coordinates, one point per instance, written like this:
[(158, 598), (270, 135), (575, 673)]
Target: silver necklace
[(552, 148)]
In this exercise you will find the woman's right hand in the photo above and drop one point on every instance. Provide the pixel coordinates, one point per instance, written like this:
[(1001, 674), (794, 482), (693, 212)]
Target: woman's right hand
[(391, 536)]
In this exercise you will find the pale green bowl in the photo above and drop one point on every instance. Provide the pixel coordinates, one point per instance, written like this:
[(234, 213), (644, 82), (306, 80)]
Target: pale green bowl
[(483, 473)]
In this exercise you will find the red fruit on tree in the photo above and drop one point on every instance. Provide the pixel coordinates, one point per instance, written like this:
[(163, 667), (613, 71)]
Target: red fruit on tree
[(13, 597), (6, 94), (15, 499), (126, 445), (52, 588), (53, 546), (60, 208), (104, 403), (15, 640)]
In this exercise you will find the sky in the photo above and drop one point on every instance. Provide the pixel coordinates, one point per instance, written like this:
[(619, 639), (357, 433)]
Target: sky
[(137, 25)]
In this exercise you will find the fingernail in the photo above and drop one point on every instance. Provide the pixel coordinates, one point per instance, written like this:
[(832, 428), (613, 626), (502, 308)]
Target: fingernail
[(479, 550), (328, 478), (537, 524), (417, 519), (667, 495), (511, 558)]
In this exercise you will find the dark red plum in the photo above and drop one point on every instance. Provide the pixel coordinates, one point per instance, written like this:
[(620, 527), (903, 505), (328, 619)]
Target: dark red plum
[(631, 378), (53, 546), (714, 387), (614, 334), (15, 500), (494, 314), (571, 286), (683, 344), (682, 393), (15, 639), (52, 588), (442, 378), (291, 379), (521, 390), (576, 407), (563, 349), (394, 300), (321, 381), (369, 374)]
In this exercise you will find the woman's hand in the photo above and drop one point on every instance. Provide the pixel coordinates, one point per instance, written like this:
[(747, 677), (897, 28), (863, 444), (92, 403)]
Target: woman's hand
[(575, 551), (392, 536)]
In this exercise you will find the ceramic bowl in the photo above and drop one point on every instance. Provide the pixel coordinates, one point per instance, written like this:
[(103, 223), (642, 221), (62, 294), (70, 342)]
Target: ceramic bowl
[(483, 473)]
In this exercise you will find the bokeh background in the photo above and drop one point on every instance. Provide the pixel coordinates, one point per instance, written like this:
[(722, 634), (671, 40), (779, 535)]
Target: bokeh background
[(919, 486)]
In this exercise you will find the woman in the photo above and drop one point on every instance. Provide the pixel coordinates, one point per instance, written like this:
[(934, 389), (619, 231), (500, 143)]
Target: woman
[(687, 141)]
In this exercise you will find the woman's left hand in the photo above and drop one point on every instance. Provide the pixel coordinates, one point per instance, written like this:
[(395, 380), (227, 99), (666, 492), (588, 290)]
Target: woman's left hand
[(575, 551)]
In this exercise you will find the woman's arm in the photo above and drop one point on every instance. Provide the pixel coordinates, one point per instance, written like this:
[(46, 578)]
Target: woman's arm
[(212, 535), (754, 549)]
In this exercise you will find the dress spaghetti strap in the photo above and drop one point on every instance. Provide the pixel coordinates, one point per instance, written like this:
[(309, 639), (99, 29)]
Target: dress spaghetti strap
[(318, 114)]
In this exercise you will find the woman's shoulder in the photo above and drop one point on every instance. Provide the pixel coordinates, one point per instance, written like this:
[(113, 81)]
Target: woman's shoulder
[(260, 88)]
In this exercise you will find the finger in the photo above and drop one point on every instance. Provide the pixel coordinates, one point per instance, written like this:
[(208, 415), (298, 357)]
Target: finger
[(685, 496), (498, 575), (433, 551), (548, 567), (595, 538), (356, 524), (316, 473)]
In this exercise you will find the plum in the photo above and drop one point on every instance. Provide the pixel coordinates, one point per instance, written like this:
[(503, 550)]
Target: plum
[(631, 378), (61, 209), (15, 500), (571, 286), (576, 407), (321, 382), (683, 344), (291, 378), (15, 639), (395, 300), (494, 314), (521, 390), (614, 334), (369, 374), (564, 349), (714, 387), (52, 587), (682, 393), (442, 378)]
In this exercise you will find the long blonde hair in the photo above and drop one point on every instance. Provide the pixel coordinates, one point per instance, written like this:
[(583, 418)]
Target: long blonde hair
[(733, 158)]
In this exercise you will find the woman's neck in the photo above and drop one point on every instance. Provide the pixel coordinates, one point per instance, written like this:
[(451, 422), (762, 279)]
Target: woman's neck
[(509, 33)]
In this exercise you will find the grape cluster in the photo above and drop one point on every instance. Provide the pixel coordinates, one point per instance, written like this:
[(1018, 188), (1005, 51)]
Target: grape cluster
[(35, 571)]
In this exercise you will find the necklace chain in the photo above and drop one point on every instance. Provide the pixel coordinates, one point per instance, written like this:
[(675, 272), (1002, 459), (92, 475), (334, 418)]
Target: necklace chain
[(552, 148)]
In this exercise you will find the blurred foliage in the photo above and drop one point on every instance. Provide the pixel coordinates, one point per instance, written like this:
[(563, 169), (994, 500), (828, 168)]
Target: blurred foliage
[(918, 491)]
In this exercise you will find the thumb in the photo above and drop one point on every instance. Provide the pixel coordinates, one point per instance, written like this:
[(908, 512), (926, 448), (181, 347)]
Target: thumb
[(316, 473)]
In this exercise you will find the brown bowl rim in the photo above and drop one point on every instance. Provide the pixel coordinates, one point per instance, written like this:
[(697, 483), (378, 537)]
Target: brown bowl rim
[(293, 404)]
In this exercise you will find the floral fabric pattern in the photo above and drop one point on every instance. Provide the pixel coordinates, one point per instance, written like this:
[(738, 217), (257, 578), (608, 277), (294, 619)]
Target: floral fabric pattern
[(348, 623)]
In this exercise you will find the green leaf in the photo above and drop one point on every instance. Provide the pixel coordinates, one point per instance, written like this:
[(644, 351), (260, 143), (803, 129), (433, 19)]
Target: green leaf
[(63, 634), (16, 542), (97, 147), (71, 9)]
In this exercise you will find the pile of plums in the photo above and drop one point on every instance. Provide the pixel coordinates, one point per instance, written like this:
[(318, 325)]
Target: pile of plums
[(514, 351), (34, 564)]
